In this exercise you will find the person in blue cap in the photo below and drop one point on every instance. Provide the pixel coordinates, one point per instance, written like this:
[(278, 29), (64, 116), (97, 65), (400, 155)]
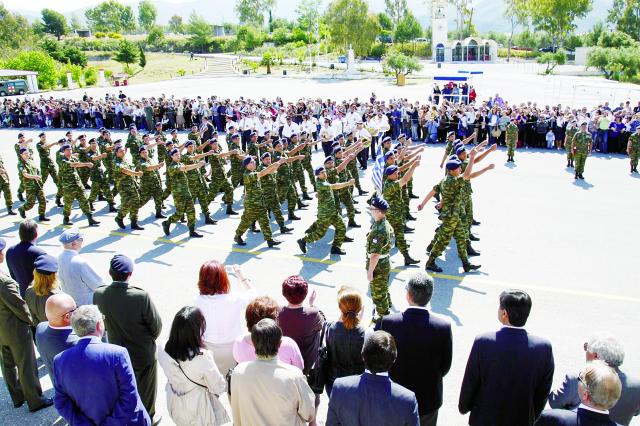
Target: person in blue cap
[(45, 284), (128, 188), (20, 372), (72, 187), (33, 186), (219, 182), (379, 243), (268, 184)]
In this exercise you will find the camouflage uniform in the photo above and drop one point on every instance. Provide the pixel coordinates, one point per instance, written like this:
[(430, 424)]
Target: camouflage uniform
[(634, 151), (99, 182), (452, 213), (286, 188), (219, 181), (344, 194), (297, 172), (379, 242), (17, 147), (567, 146), (5, 188), (254, 206), (467, 204), (306, 164), (237, 170), (103, 144), (393, 193), (511, 137), (270, 195), (327, 216), (582, 141), (47, 168), (72, 188), (252, 149), (83, 157), (181, 195), (352, 168), (128, 189), (197, 186), (33, 187), (150, 184), (168, 161), (133, 144)]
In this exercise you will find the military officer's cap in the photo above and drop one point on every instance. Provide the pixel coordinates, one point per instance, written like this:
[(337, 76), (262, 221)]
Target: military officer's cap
[(173, 152), (46, 264), (147, 135), (70, 235), (460, 150), (159, 124), (23, 150), (336, 150), (106, 132), (133, 126), (64, 147), (391, 170), (121, 264), (386, 139), (62, 141), (316, 172), (82, 137), (3, 244), (118, 142), (380, 203), (349, 133), (118, 148), (42, 134), (235, 136), (265, 155), (20, 135), (170, 141), (328, 159), (388, 154), (453, 163), (397, 146), (142, 148), (188, 143), (335, 144), (304, 132), (247, 160)]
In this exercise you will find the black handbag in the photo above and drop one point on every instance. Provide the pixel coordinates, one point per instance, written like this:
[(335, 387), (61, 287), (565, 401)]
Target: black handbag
[(319, 372)]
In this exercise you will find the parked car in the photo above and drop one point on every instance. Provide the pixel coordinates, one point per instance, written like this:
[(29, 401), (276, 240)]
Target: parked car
[(548, 49), (421, 39), (13, 87)]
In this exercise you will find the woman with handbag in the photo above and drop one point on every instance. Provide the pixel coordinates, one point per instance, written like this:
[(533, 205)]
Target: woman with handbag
[(193, 379)]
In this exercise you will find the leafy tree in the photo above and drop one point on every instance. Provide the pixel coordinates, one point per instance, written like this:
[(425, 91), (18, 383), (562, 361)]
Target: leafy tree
[(385, 22), (616, 63), (155, 35), (615, 39), (68, 54), (74, 22), (407, 29), (252, 11), (400, 64), (516, 11), (38, 61), (591, 38), (308, 14), (127, 54), (268, 60), (200, 32), (142, 60), (176, 25), (463, 16), (349, 22), (249, 37), (557, 17), (147, 14), (280, 36), (111, 16), (54, 23), (75, 56), (15, 32), (552, 60), (625, 15), (396, 11)]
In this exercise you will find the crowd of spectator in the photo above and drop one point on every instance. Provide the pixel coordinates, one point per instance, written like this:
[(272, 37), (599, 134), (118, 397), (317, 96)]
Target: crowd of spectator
[(97, 339)]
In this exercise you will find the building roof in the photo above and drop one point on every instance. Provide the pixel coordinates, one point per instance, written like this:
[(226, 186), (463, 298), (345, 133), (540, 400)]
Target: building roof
[(16, 73)]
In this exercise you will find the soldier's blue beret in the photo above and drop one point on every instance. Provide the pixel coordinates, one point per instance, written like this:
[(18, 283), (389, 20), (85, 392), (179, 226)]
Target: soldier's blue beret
[(277, 142), (397, 146), (121, 264), (42, 134), (453, 163), (336, 150), (265, 155), (3, 244), (106, 132), (174, 131), (388, 154), (460, 150), (349, 133), (335, 144), (247, 160), (194, 125), (82, 137), (101, 130), (65, 147), (170, 141), (235, 136), (46, 264), (62, 141), (213, 140), (293, 135), (158, 124), (117, 142), (173, 152), (20, 135), (252, 134), (450, 133), (285, 140), (66, 134), (118, 148), (142, 148), (339, 136), (22, 150), (386, 139), (148, 135), (391, 170), (380, 203), (304, 132), (133, 126), (319, 170), (188, 143), (70, 235), (93, 140), (402, 136), (328, 159)]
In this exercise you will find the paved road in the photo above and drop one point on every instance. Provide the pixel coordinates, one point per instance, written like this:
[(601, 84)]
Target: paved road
[(570, 244)]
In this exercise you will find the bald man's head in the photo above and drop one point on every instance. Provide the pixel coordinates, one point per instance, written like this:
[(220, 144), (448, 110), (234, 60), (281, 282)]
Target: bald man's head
[(59, 308)]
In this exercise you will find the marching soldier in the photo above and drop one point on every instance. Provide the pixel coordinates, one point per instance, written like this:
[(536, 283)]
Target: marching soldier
[(572, 129), (306, 151), (99, 181), (270, 194), (297, 169), (197, 186), (379, 243), (47, 168), (22, 143), (352, 167), (219, 181), (633, 149), (6, 188), (105, 144), (32, 185), (83, 157), (336, 172), (128, 188), (286, 189), (581, 145), (72, 188), (150, 183), (511, 137), (236, 170)]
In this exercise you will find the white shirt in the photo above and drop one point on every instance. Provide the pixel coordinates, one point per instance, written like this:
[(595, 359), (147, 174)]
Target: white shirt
[(595, 410), (224, 314), (289, 129), (77, 278)]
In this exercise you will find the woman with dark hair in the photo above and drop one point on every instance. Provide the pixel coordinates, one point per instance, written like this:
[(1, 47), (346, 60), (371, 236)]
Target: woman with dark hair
[(260, 308), (193, 379), (223, 309)]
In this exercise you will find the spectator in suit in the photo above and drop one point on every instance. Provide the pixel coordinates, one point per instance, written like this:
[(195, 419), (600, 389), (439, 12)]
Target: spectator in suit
[(267, 391), (94, 381), (509, 371), (22, 256), (598, 389), (609, 350), (55, 335), (45, 284), (424, 345), (77, 276), (372, 398), (132, 321), (18, 360)]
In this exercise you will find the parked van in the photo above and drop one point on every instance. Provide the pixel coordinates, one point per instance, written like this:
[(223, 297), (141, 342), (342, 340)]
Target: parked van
[(13, 87)]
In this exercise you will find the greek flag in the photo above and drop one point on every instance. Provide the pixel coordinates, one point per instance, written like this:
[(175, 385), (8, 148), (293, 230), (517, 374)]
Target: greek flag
[(378, 170)]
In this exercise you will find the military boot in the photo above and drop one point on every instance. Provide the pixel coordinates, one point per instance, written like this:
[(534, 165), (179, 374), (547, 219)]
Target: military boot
[(193, 233), (165, 227), (209, 221), (23, 214), (284, 229), (408, 230), (112, 208), (59, 202), (301, 205), (239, 241), (471, 251), (408, 260), (273, 243), (10, 212), (20, 197), (352, 224), (306, 197), (253, 228), (135, 226), (431, 265), (43, 218), (413, 196), (120, 222), (473, 238), (91, 206), (475, 222), (362, 192), (302, 244), (230, 210), (409, 217), (159, 214), (337, 250), (92, 221), (348, 239), (66, 221), (292, 216), (469, 267)]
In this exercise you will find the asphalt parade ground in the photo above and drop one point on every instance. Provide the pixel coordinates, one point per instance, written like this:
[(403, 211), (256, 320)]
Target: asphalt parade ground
[(571, 244)]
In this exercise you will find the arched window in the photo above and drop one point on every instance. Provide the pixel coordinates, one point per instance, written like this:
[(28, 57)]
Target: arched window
[(440, 52), (472, 50), (457, 52)]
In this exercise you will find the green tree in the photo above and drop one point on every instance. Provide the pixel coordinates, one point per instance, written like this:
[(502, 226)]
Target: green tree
[(463, 16), (400, 64), (15, 32), (516, 11), (552, 60), (396, 11), (200, 32), (75, 56), (74, 22), (54, 23), (250, 37), (111, 16), (268, 60), (147, 14), (385, 22), (35, 60), (557, 17), (591, 38), (349, 22), (155, 35), (615, 39), (176, 25), (625, 15), (308, 14), (252, 11), (127, 54), (142, 58), (407, 29)]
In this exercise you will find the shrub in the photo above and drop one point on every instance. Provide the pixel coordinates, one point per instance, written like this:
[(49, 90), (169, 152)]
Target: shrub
[(522, 54), (552, 60), (399, 64), (90, 76), (115, 36), (378, 50), (99, 34), (181, 72), (75, 56), (38, 61)]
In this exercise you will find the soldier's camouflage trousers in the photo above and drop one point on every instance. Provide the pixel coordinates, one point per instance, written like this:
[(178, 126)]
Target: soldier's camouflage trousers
[(31, 196), (71, 193), (236, 172), (100, 185), (511, 148), (352, 167), (380, 286), (218, 184), (199, 192), (298, 176), (251, 214), (287, 192), (569, 152), (581, 158), (272, 204), (318, 228), (48, 169), (397, 223), (184, 205), (129, 202), (306, 164), (5, 188), (451, 227), (343, 196), (148, 191), (633, 156)]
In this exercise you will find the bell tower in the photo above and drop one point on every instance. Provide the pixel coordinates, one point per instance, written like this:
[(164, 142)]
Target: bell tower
[(439, 29)]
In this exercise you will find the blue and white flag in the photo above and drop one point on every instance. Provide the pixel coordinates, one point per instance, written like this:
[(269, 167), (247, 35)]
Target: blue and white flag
[(378, 170)]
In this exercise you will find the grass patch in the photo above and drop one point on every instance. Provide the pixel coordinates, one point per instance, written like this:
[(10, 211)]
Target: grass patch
[(160, 66)]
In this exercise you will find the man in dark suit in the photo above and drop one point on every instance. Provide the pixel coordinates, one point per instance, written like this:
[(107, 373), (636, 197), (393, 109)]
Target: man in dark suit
[(55, 335), (599, 389), (18, 359), (424, 348), (509, 371), (94, 381), (372, 398), (21, 257), (132, 321)]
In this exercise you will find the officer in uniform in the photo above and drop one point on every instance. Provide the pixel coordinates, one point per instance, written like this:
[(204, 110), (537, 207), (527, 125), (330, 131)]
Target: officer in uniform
[(572, 129), (33, 186), (236, 171), (286, 189), (511, 137), (219, 181), (197, 186), (633, 149), (150, 183), (581, 146), (6, 188), (99, 183), (83, 157), (47, 168), (72, 188), (327, 213), (128, 189), (180, 193), (379, 242), (270, 194), (22, 143), (254, 205)]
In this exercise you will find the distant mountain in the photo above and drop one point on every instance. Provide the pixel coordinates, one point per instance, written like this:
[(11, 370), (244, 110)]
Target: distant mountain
[(487, 14)]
